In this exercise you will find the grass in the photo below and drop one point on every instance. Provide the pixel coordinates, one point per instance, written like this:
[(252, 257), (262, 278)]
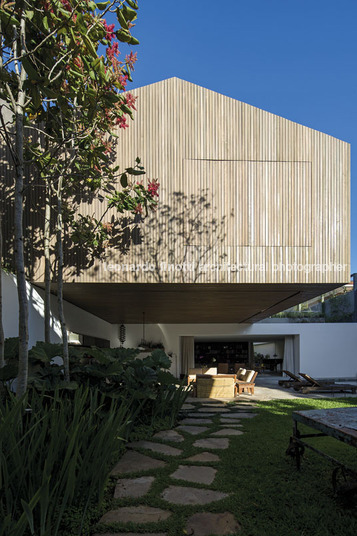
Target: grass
[(268, 496)]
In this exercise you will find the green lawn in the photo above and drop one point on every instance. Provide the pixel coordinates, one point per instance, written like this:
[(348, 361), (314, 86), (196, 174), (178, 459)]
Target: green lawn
[(268, 496)]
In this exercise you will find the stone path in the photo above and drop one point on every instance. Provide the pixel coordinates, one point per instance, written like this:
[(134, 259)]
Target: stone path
[(139, 471)]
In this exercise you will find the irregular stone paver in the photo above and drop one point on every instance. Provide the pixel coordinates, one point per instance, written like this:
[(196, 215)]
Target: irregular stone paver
[(192, 473), (195, 421), (200, 416), (135, 514), (132, 534), (205, 524), (183, 495), (227, 432), (155, 447), (187, 406), (213, 410), (169, 435), (241, 415), (133, 487), (212, 443), (194, 430), (231, 423), (203, 457), (213, 405), (131, 462)]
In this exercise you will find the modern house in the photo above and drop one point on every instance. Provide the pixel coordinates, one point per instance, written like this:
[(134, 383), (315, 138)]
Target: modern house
[(254, 218)]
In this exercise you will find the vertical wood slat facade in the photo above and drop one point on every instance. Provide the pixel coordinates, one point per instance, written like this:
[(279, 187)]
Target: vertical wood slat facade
[(238, 185)]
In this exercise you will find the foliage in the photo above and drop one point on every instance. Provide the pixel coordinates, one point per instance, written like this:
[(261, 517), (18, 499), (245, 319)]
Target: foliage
[(113, 396), (65, 100), (74, 101), (56, 452), (116, 372)]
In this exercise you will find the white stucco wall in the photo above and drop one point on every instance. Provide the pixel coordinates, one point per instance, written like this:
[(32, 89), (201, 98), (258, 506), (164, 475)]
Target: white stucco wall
[(325, 350), (77, 320)]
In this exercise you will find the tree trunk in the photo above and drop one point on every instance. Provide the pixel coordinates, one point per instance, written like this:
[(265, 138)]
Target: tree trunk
[(18, 224), (60, 282), (47, 236), (2, 338)]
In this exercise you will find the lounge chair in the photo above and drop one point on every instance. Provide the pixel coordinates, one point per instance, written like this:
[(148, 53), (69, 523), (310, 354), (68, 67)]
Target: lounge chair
[(294, 380), (246, 384), (313, 382), (317, 386), (309, 381)]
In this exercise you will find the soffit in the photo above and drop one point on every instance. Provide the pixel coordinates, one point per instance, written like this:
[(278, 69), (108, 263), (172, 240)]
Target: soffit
[(188, 303)]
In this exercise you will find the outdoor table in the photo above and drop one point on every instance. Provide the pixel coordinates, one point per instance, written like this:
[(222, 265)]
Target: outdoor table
[(339, 423)]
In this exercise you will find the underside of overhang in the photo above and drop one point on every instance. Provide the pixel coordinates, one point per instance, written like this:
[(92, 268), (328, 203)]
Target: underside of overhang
[(188, 303)]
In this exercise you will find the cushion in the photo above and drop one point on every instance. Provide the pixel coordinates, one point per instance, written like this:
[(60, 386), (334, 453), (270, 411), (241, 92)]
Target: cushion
[(212, 371), (240, 373), (248, 375)]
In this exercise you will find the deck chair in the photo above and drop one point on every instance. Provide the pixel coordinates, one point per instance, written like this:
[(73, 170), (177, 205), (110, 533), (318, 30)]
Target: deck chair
[(309, 381), (313, 382), (246, 386), (294, 380), (317, 386)]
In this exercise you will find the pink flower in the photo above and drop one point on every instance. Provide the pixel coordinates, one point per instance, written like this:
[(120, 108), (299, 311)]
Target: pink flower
[(66, 5), (121, 121), (109, 29), (123, 79), (130, 59), (153, 188), (113, 50), (130, 101)]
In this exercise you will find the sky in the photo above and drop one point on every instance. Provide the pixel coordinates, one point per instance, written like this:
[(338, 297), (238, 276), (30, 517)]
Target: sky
[(293, 58)]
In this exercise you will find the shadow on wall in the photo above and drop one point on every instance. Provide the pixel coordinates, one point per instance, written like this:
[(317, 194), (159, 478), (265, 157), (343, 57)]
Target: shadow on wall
[(184, 233), (172, 243)]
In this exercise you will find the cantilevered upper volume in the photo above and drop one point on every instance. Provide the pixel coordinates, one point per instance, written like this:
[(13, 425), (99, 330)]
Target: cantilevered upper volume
[(239, 187), (253, 216)]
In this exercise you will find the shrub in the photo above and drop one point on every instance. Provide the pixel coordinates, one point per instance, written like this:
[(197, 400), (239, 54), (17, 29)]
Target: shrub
[(55, 452)]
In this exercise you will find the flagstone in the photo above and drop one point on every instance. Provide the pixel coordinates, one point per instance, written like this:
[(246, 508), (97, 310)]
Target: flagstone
[(232, 424), (240, 415), (213, 410), (230, 421), (227, 432), (203, 457), (132, 462), (135, 514), (212, 443), (200, 416), (194, 430), (192, 421), (187, 406), (207, 524), (169, 435), (184, 495), (155, 447), (198, 474), (214, 405), (133, 487)]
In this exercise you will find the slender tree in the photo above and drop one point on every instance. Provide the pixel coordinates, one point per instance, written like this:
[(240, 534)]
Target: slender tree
[(2, 338), (67, 99)]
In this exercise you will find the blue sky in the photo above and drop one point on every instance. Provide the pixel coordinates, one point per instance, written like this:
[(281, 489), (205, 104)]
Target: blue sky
[(294, 58)]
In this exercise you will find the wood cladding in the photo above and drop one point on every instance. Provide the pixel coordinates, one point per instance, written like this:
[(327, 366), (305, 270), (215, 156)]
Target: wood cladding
[(239, 187)]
